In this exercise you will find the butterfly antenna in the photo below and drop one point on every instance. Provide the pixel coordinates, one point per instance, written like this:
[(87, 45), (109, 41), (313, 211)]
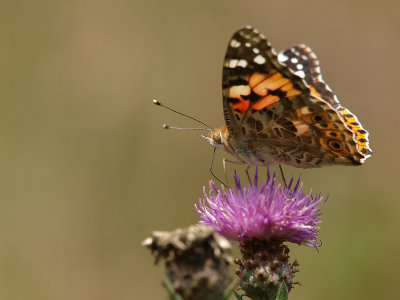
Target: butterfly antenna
[(156, 102), (165, 126)]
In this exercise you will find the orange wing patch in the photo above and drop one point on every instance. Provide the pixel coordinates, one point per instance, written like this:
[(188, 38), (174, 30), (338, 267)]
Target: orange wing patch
[(236, 92), (265, 102), (314, 92), (361, 135), (261, 85), (242, 106)]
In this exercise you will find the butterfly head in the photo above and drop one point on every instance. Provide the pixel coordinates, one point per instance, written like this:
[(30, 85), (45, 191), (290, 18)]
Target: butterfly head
[(218, 138)]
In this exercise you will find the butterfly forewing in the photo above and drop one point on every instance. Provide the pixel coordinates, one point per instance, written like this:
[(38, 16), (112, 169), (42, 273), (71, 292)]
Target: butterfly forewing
[(253, 78)]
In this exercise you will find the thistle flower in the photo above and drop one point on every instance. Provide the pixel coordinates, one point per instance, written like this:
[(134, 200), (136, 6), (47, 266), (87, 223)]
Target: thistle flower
[(261, 218), (266, 212)]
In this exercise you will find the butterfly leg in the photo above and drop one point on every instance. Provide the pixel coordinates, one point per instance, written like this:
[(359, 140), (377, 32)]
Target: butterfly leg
[(224, 161), (247, 173), (211, 169), (282, 175)]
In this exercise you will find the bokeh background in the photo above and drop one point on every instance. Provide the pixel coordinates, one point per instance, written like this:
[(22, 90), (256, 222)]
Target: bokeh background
[(87, 172)]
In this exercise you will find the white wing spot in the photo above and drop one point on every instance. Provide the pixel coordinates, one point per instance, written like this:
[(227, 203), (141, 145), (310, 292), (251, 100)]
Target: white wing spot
[(304, 57), (234, 43), (294, 60), (300, 74), (242, 63), (247, 44), (259, 59), (256, 51), (282, 57), (233, 63), (299, 66)]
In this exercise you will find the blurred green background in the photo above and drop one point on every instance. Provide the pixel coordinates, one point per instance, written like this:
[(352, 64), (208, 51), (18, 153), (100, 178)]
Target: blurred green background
[(87, 172)]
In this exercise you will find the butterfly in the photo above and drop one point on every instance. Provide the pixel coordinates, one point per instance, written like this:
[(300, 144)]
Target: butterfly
[(278, 109)]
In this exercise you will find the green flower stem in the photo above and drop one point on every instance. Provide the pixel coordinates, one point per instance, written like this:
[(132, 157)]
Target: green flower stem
[(229, 290), (172, 294)]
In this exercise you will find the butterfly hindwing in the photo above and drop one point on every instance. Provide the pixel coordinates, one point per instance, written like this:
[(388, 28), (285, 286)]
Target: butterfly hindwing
[(302, 61)]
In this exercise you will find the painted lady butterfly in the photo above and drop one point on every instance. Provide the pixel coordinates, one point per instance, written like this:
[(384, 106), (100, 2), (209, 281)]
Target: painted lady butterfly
[(278, 109)]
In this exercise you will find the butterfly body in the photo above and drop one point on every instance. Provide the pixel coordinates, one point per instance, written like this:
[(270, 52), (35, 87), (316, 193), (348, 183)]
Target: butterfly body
[(278, 109)]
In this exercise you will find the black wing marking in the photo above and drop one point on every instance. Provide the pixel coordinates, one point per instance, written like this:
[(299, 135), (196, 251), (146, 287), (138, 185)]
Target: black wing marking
[(302, 61)]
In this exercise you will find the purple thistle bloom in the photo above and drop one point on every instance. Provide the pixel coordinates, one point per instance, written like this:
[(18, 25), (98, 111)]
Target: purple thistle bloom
[(265, 212)]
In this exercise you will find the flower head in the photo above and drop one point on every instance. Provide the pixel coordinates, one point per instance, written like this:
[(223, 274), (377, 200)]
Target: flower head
[(196, 261), (266, 212)]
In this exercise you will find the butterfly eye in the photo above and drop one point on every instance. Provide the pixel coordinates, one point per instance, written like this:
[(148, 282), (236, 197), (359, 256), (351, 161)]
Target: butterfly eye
[(335, 145)]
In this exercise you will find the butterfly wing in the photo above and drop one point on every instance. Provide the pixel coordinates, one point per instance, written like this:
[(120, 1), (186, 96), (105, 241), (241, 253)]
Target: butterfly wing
[(270, 111), (253, 78), (302, 61)]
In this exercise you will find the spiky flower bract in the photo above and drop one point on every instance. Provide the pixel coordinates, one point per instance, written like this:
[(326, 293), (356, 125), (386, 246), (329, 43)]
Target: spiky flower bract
[(263, 212)]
